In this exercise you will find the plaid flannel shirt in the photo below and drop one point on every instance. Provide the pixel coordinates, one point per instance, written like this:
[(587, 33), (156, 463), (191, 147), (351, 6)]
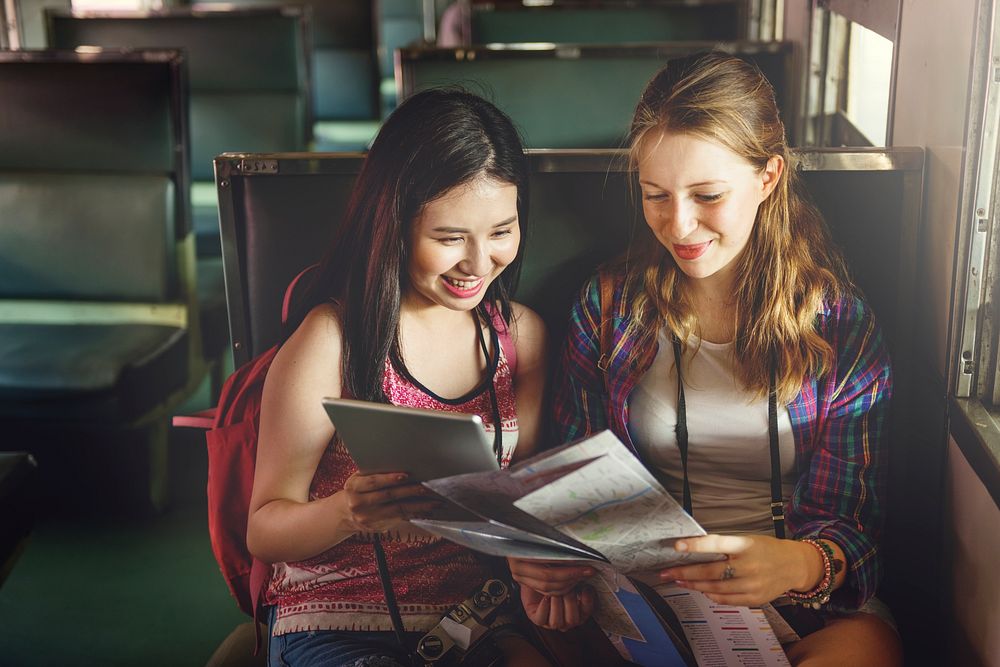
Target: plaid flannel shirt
[(838, 421)]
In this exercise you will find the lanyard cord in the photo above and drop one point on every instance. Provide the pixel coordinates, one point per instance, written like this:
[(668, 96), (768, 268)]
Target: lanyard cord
[(777, 504), (494, 403), (380, 559)]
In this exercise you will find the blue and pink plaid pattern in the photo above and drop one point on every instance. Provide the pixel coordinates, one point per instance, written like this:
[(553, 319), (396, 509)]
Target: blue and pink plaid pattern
[(839, 423)]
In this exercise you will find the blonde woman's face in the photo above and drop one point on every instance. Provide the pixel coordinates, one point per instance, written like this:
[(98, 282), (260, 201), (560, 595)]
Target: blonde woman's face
[(700, 199)]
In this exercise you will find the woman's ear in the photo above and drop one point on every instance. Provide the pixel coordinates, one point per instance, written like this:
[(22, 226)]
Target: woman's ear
[(771, 175)]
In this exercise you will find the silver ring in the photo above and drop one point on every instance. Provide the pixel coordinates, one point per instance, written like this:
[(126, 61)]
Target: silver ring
[(728, 573)]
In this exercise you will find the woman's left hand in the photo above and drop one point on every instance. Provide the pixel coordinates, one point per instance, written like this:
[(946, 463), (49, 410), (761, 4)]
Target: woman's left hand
[(758, 568)]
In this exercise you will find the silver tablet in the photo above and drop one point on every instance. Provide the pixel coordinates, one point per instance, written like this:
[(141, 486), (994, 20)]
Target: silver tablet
[(427, 444)]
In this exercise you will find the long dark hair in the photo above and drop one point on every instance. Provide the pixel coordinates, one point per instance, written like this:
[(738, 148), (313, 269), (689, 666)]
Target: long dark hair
[(434, 141)]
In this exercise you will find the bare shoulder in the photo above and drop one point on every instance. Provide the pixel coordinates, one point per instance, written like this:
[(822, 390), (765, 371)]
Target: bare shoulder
[(312, 354), (528, 330), (526, 322)]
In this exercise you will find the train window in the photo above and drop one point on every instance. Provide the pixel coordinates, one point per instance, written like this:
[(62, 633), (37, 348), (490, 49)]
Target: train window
[(849, 87), (112, 5), (869, 74), (974, 368)]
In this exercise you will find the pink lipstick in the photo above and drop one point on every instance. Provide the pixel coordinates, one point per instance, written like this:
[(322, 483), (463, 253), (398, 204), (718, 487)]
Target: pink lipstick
[(463, 292), (691, 251)]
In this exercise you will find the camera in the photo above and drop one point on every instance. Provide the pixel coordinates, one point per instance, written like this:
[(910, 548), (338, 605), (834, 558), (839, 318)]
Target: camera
[(457, 636)]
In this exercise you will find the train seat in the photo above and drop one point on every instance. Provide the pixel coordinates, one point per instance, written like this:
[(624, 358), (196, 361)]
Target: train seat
[(249, 74), (249, 90), (18, 490), (400, 23), (582, 214), (607, 22), (344, 71), (98, 316), (595, 85)]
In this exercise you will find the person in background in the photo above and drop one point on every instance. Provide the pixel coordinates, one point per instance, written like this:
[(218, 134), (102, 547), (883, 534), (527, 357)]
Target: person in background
[(742, 367), (411, 306)]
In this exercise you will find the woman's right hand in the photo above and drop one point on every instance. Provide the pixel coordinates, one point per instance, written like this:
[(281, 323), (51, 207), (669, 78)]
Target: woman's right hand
[(383, 501), (551, 592), (558, 612)]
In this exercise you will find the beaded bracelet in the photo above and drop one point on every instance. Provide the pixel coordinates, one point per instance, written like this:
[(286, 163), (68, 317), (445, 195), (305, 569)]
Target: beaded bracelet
[(820, 594)]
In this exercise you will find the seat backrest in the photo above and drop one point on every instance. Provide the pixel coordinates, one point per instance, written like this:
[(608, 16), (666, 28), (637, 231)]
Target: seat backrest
[(344, 76), (93, 176), (609, 22), (597, 86), (249, 70), (278, 213)]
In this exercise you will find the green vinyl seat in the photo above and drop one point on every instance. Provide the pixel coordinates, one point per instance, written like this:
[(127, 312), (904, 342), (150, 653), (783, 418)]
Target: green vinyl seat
[(606, 22), (98, 314), (344, 70), (249, 72), (249, 79), (575, 96)]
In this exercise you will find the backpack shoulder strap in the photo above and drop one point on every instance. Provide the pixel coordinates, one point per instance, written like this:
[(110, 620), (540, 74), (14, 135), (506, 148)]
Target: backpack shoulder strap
[(606, 289), (286, 301), (505, 338)]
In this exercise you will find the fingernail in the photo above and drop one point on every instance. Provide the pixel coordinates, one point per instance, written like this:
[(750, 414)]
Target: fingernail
[(400, 477), (681, 546), (681, 583), (666, 576)]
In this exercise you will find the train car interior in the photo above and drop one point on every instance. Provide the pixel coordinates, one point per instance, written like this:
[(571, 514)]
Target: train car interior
[(167, 167)]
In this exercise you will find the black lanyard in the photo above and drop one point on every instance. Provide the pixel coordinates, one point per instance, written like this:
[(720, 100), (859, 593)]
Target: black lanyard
[(777, 504), (494, 403)]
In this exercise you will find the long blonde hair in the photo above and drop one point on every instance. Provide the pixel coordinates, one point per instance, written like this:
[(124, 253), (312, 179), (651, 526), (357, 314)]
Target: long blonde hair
[(789, 266)]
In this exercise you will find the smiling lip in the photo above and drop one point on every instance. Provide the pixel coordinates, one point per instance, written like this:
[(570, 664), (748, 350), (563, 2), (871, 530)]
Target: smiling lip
[(464, 293), (691, 251)]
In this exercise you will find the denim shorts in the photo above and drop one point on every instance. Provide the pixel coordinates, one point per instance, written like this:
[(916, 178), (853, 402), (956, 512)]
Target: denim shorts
[(335, 648)]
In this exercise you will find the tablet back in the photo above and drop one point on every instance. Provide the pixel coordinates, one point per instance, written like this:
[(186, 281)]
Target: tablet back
[(427, 444)]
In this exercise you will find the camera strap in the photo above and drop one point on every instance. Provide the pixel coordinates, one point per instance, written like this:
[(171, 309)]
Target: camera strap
[(390, 595), (380, 560)]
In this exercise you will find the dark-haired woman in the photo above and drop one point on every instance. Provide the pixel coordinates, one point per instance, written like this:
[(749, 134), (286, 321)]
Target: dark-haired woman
[(411, 306), (743, 368)]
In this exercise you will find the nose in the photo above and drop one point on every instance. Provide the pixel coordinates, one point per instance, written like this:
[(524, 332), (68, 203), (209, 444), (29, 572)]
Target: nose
[(477, 260), (677, 219)]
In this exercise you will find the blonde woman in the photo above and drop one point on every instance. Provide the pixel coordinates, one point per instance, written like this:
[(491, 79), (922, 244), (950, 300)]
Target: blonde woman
[(743, 298)]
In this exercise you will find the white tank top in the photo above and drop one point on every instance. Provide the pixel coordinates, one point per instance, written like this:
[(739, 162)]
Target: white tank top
[(729, 461)]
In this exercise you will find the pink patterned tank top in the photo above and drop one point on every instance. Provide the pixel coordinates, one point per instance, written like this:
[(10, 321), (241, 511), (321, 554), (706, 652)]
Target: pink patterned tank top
[(340, 588)]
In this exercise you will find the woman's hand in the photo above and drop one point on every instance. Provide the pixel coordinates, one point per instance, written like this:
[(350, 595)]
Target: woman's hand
[(383, 501), (558, 612), (548, 577), (551, 592), (758, 568)]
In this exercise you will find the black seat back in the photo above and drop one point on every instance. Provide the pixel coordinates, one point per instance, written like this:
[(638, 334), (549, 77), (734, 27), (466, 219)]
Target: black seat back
[(278, 213)]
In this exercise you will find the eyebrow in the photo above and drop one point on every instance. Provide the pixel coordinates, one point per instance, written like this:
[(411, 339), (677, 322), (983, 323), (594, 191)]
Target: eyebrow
[(502, 223), (690, 185)]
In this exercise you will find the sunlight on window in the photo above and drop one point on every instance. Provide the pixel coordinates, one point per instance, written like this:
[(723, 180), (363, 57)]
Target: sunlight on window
[(109, 5), (869, 76)]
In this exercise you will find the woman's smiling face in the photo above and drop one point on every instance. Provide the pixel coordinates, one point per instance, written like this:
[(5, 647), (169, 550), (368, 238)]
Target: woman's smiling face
[(461, 242), (700, 199)]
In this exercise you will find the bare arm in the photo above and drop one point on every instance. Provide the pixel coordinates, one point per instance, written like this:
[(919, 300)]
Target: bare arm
[(531, 341), (284, 525)]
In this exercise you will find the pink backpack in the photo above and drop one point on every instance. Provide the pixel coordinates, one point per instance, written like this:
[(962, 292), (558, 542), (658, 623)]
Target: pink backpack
[(232, 454)]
